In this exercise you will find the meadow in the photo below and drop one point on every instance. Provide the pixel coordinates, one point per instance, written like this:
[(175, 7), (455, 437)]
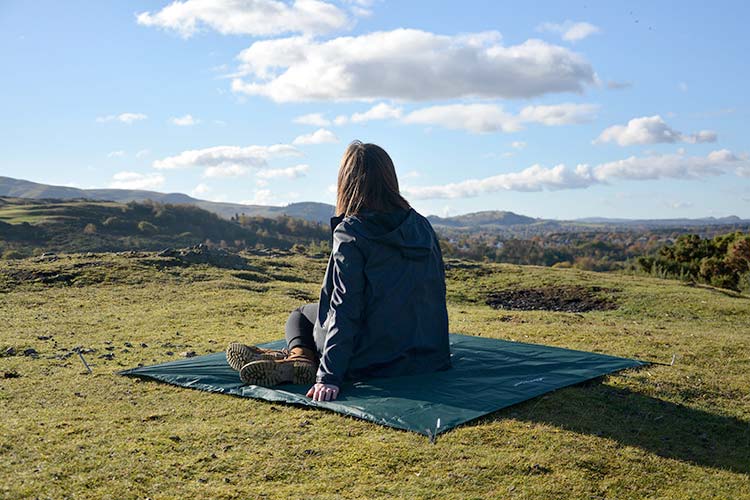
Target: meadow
[(679, 428)]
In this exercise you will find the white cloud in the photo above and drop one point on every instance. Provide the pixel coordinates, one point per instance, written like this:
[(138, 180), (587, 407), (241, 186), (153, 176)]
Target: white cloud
[(482, 118), (559, 114), (677, 205), (518, 144), (537, 178), (382, 111), (316, 119), (225, 171), (261, 182), (477, 118), (127, 118), (341, 120), (227, 156), (650, 130), (320, 136), (408, 64), (288, 173), (200, 189), (672, 166), (534, 178), (116, 154), (142, 153), (184, 121), (134, 180), (683, 86), (247, 17), (570, 31)]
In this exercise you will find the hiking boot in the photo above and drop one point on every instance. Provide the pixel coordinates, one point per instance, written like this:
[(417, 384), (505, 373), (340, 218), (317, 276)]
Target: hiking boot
[(238, 355), (299, 368)]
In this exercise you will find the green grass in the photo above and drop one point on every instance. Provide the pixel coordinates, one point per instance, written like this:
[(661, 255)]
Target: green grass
[(679, 431)]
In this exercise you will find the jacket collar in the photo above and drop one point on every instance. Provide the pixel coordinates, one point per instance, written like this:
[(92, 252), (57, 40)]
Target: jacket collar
[(335, 222)]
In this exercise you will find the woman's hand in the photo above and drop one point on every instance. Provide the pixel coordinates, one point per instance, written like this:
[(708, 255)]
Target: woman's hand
[(323, 392)]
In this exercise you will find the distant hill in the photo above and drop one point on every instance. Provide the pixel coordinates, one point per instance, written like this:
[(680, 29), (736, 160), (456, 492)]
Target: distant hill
[(311, 211), (703, 221), (480, 219), (17, 188)]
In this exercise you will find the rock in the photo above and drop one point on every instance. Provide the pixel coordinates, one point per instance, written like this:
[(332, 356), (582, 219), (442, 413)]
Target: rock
[(10, 351), (11, 374), (109, 356), (167, 252), (176, 439), (31, 352), (188, 354), (43, 337), (128, 344), (143, 344)]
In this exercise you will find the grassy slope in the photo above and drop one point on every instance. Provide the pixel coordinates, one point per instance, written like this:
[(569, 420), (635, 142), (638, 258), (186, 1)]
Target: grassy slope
[(661, 432)]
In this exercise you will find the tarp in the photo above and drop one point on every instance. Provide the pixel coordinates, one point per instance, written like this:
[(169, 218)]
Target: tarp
[(487, 375)]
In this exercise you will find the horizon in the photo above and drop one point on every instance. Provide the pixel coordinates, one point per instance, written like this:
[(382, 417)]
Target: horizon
[(558, 112), (426, 214)]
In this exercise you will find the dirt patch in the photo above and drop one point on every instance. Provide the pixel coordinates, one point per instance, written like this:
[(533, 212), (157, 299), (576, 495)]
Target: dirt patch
[(22, 276), (571, 298)]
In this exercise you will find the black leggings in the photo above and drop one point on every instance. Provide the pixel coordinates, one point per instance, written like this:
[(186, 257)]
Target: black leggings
[(299, 327)]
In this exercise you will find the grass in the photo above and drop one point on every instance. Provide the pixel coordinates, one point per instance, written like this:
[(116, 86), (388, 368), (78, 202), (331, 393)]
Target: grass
[(680, 431)]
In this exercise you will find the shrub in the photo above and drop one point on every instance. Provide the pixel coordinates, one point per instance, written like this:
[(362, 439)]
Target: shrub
[(13, 255), (146, 227)]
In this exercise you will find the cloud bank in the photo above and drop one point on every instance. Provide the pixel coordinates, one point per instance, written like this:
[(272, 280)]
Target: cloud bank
[(570, 31), (651, 130), (538, 178), (408, 64), (247, 17), (226, 161)]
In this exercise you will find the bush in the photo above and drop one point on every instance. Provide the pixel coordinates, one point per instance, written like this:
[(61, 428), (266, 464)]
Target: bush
[(13, 255), (89, 229), (146, 227)]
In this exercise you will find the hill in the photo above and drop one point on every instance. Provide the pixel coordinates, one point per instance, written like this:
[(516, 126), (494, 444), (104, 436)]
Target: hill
[(503, 222), (16, 188), (482, 219), (669, 432), (35, 226)]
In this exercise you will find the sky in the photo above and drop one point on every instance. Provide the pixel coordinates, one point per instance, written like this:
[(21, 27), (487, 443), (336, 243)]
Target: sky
[(550, 109)]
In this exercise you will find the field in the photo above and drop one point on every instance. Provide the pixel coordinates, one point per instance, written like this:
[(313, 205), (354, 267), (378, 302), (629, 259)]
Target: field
[(679, 431)]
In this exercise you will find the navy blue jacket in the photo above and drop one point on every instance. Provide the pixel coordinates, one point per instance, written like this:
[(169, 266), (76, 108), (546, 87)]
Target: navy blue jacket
[(382, 305)]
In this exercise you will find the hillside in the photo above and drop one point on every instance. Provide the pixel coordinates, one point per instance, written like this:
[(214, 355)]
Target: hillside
[(34, 226), (16, 188), (482, 219), (502, 222), (670, 432)]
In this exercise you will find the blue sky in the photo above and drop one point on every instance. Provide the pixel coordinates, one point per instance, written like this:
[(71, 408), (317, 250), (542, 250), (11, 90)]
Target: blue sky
[(548, 109)]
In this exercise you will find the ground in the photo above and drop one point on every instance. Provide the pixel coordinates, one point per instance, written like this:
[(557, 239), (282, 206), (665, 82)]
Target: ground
[(679, 431)]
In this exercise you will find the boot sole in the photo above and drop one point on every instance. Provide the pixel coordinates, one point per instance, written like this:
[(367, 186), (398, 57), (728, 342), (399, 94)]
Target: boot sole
[(268, 373), (238, 355)]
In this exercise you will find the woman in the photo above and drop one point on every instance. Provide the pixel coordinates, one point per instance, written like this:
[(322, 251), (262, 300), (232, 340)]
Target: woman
[(382, 305)]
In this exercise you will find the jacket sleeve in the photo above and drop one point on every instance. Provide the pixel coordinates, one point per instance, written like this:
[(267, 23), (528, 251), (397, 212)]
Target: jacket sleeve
[(345, 313)]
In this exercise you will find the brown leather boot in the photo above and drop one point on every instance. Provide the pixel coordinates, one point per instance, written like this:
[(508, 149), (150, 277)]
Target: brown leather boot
[(238, 355), (299, 367)]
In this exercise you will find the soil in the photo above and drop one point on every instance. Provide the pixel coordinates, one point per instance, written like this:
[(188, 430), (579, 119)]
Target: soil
[(570, 298)]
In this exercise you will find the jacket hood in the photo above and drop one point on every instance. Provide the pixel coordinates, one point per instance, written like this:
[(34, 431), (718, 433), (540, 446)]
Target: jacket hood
[(404, 229)]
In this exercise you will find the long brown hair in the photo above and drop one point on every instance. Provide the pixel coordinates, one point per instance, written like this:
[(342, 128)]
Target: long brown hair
[(367, 181)]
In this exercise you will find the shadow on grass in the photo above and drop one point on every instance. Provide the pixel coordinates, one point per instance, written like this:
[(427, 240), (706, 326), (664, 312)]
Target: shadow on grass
[(667, 429)]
